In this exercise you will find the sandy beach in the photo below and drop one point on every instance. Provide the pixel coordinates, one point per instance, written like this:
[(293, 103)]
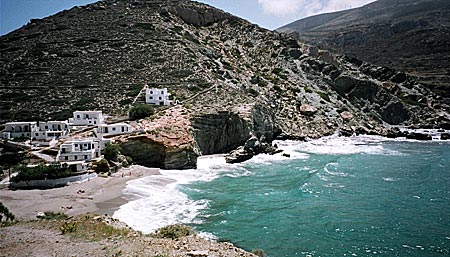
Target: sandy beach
[(98, 195)]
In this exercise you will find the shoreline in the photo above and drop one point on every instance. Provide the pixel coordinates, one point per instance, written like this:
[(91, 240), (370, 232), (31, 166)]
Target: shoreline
[(98, 195)]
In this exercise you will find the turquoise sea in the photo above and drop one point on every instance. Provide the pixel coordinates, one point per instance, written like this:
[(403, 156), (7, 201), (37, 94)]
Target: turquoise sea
[(359, 196)]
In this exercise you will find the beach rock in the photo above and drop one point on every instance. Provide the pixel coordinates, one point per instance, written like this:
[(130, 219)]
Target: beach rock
[(418, 136)]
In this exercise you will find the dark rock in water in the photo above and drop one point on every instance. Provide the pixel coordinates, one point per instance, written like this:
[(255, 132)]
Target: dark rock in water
[(286, 155), (445, 136), (251, 148), (418, 136), (395, 132)]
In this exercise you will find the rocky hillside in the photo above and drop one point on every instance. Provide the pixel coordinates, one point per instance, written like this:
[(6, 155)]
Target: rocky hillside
[(234, 79), (409, 35)]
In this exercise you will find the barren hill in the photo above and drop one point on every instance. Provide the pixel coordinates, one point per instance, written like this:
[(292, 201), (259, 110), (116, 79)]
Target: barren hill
[(408, 35), (234, 78)]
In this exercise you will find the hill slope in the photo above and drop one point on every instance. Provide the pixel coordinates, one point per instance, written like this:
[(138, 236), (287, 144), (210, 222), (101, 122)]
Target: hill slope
[(410, 35), (235, 78)]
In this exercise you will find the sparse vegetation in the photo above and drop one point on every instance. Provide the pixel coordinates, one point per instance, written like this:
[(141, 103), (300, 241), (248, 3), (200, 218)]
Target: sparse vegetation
[(4, 212), (173, 231), (91, 228)]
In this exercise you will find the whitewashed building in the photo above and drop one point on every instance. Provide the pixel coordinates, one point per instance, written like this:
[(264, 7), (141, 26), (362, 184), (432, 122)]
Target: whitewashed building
[(87, 149), (87, 118), (19, 129), (157, 96), (113, 129), (51, 130)]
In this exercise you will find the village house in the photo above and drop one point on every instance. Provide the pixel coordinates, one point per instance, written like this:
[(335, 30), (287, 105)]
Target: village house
[(157, 96), (51, 130), (86, 149), (113, 129), (19, 129), (87, 118)]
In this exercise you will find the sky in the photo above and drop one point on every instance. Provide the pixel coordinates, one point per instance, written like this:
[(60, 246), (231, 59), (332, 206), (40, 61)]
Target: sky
[(270, 14)]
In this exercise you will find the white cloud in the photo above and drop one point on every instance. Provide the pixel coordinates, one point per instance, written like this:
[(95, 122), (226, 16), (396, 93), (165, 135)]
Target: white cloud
[(281, 7), (303, 8)]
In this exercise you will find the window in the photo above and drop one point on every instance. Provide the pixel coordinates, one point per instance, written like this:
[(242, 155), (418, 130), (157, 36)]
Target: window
[(46, 127), (85, 157), (78, 116), (160, 98), (114, 129), (37, 134), (76, 157), (150, 97), (66, 158), (151, 92), (95, 122), (162, 92)]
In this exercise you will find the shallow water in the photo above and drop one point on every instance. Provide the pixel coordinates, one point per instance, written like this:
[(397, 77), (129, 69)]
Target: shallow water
[(364, 196)]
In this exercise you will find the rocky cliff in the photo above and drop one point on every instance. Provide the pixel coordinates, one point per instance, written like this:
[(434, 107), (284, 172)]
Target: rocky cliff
[(233, 80), (163, 141), (408, 35)]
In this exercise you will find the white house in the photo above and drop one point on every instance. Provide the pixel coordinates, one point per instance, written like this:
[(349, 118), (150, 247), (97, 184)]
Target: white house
[(113, 129), (87, 118), (19, 129), (51, 130), (157, 96), (79, 150)]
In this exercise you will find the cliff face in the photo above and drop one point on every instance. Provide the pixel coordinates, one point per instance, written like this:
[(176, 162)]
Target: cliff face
[(147, 152), (224, 131), (408, 35)]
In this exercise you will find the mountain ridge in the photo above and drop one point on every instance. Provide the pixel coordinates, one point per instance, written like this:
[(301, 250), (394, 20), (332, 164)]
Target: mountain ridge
[(409, 35)]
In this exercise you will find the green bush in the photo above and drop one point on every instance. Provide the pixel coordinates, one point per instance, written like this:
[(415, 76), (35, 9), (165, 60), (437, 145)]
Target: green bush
[(324, 96), (253, 92), (173, 231), (141, 111), (259, 252), (52, 171), (277, 70), (102, 166), (49, 215), (111, 152)]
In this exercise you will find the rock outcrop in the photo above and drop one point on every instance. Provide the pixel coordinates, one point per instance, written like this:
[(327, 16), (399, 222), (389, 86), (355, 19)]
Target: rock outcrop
[(165, 142), (144, 150), (224, 131)]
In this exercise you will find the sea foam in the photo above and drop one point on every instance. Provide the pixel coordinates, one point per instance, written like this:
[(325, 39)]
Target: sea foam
[(156, 201)]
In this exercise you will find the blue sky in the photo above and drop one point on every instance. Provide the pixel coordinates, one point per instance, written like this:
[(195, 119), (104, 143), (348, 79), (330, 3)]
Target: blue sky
[(269, 14)]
